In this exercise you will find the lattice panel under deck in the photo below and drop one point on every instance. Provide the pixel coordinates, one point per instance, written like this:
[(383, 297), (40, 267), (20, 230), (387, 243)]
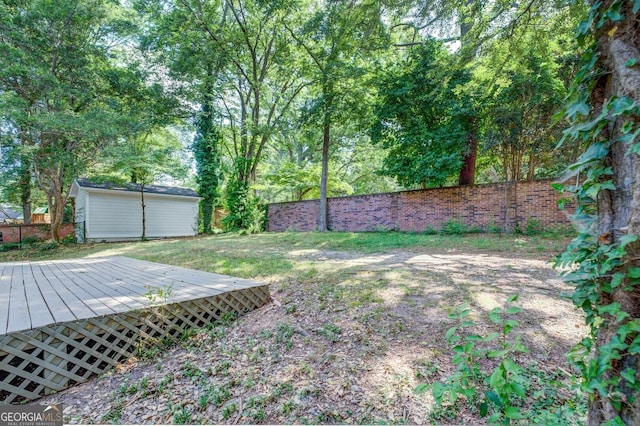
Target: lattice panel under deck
[(52, 358)]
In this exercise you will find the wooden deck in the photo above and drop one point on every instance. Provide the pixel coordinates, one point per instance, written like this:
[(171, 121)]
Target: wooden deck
[(63, 321)]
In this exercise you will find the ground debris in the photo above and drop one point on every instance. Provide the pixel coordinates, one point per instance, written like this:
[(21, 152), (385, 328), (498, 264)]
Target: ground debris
[(348, 346)]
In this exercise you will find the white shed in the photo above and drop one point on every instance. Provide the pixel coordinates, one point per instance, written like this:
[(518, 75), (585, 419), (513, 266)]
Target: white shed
[(109, 212)]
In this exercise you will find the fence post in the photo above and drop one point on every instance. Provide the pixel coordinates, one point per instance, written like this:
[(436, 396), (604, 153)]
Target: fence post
[(20, 235)]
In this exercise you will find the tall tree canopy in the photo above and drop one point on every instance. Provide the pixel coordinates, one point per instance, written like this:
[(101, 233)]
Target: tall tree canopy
[(422, 118), (62, 92)]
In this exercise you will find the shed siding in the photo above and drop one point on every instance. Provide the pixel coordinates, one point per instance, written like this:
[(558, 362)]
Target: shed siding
[(81, 214), (176, 217), (114, 216), (118, 216)]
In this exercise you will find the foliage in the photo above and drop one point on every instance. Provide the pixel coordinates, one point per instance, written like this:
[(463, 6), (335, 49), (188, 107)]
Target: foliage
[(64, 92), (244, 210), (604, 109), (422, 119), (206, 146), (517, 116), (501, 393)]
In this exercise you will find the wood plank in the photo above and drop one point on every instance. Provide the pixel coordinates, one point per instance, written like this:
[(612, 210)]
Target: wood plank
[(92, 297), (80, 298), (77, 307), (19, 318), (190, 278), (140, 271), (5, 291), (38, 309), (56, 300), (115, 293)]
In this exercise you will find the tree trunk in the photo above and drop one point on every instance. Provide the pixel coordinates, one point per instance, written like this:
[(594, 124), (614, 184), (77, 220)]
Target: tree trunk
[(25, 189), (144, 215), (468, 170), (323, 209), (619, 209), (207, 214)]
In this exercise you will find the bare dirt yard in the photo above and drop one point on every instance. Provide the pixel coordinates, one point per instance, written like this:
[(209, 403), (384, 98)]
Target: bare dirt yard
[(349, 335)]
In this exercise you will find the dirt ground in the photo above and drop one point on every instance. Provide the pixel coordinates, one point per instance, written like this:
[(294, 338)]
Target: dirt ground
[(345, 342)]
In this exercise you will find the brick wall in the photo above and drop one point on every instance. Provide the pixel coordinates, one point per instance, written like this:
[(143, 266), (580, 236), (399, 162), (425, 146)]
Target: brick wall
[(503, 205), (40, 231)]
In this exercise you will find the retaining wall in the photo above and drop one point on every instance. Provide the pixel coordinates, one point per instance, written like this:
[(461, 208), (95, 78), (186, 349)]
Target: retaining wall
[(503, 205)]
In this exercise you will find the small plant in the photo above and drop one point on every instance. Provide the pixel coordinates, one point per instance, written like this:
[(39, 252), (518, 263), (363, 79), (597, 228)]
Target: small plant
[(454, 227), (331, 332), (228, 410), (164, 382), (284, 333), (533, 227), (182, 417), (191, 370), (158, 296), (497, 390), (494, 228), (290, 309), (114, 414)]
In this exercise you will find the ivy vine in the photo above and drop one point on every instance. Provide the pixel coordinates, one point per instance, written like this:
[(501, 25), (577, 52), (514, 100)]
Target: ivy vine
[(598, 265)]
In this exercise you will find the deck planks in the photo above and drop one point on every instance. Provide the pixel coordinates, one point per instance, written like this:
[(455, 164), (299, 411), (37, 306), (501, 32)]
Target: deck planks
[(64, 321), (49, 292)]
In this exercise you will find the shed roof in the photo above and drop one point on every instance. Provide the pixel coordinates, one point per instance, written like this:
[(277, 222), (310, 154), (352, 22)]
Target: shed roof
[(135, 187), (7, 213)]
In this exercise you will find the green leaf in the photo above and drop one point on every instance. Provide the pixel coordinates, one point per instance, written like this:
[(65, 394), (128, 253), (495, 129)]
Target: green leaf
[(473, 337), (493, 398), (511, 366), (484, 409), (497, 354), (631, 62), (450, 332), (633, 273), (595, 152), (559, 187), (421, 388), (495, 315), (513, 413), (629, 375), (513, 310), (580, 107), (621, 105), (636, 6), (491, 336), (513, 298), (610, 309)]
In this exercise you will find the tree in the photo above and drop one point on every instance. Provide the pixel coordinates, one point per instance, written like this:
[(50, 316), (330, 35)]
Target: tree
[(422, 119), (517, 115), (15, 172), (63, 90), (206, 145), (336, 38), (605, 111), (146, 158)]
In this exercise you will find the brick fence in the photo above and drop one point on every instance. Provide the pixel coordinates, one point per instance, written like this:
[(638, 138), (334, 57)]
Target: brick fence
[(503, 205), (38, 231)]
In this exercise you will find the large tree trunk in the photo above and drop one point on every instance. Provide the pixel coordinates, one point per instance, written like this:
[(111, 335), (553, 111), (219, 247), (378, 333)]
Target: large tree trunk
[(323, 210), (468, 170), (619, 209)]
